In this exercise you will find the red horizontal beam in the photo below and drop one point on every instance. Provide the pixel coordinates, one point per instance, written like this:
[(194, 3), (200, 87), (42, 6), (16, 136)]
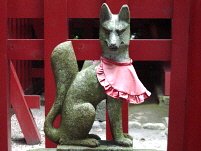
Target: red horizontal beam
[(33, 101), (84, 8), (25, 8), (144, 49), (150, 49), (87, 49), (90, 9), (25, 49), (150, 8)]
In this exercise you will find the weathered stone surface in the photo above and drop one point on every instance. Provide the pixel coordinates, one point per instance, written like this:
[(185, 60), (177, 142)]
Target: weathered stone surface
[(154, 126), (100, 111), (105, 146), (79, 92), (43, 149), (164, 100), (100, 148), (135, 124), (74, 148)]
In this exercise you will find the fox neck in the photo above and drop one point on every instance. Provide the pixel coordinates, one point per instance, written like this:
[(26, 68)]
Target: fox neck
[(121, 55)]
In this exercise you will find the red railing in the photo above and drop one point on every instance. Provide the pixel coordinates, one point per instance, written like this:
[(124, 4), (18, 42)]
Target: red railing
[(56, 15)]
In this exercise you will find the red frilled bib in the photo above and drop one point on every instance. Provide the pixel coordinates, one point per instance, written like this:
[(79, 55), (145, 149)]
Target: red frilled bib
[(120, 80)]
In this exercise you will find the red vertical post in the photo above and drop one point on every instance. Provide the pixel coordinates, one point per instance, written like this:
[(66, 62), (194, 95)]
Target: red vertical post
[(179, 55), (55, 25), (25, 74), (115, 8), (193, 104), (29, 72), (4, 81), (22, 73)]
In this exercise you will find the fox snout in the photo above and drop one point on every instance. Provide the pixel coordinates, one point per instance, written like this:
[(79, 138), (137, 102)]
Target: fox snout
[(113, 41)]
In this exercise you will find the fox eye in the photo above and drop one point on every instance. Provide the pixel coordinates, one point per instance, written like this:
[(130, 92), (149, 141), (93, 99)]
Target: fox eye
[(107, 31), (120, 31)]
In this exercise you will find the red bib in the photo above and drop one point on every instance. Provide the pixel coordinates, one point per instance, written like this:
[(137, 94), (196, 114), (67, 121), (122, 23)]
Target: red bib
[(120, 80)]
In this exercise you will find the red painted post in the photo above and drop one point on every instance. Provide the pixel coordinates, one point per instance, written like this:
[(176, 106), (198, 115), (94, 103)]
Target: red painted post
[(22, 73), (180, 37), (26, 74), (4, 78), (193, 119), (29, 78), (30, 130), (55, 25), (33, 101), (166, 81)]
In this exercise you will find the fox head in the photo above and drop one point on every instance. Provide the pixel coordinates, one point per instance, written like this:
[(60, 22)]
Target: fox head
[(114, 32)]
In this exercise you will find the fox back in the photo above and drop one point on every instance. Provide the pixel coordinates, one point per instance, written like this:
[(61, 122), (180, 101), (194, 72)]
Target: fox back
[(114, 33)]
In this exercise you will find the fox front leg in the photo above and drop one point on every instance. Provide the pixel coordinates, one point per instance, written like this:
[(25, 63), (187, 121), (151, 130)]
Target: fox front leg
[(115, 117)]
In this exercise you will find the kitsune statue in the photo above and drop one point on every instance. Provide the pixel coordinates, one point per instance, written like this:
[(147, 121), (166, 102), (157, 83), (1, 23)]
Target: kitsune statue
[(78, 92)]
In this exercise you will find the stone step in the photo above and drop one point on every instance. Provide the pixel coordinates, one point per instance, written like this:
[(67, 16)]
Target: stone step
[(105, 146), (81, 149)]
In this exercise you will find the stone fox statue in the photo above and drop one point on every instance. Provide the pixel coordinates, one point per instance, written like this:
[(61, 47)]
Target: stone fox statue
[(78, 92)]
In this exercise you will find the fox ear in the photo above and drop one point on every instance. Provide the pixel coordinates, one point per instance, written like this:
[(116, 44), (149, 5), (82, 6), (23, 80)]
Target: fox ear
[(124, 14), (105, 13)]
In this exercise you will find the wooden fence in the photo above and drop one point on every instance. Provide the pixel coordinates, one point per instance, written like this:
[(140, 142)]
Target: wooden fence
[(17, 48)]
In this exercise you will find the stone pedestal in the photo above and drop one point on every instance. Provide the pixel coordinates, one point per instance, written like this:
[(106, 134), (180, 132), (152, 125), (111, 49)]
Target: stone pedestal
[(100, 148), (74, 148), (105, 146)]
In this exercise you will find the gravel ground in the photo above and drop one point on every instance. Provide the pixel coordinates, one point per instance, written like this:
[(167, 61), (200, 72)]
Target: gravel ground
[(146, 135)]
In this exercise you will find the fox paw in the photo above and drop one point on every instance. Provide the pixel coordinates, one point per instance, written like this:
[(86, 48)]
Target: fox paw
[(91, 142), (124, 142), (94, 136), (126, 135)]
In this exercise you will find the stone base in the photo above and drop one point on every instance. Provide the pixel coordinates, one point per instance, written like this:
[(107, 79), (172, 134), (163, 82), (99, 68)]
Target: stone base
[(105, 146), (43, 149), (74, 148)]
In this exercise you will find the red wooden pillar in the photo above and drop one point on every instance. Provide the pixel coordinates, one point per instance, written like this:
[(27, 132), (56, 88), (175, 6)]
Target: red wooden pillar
[(55, 25), (179, 54), (193, 103), (115, 8), (4, 78)]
